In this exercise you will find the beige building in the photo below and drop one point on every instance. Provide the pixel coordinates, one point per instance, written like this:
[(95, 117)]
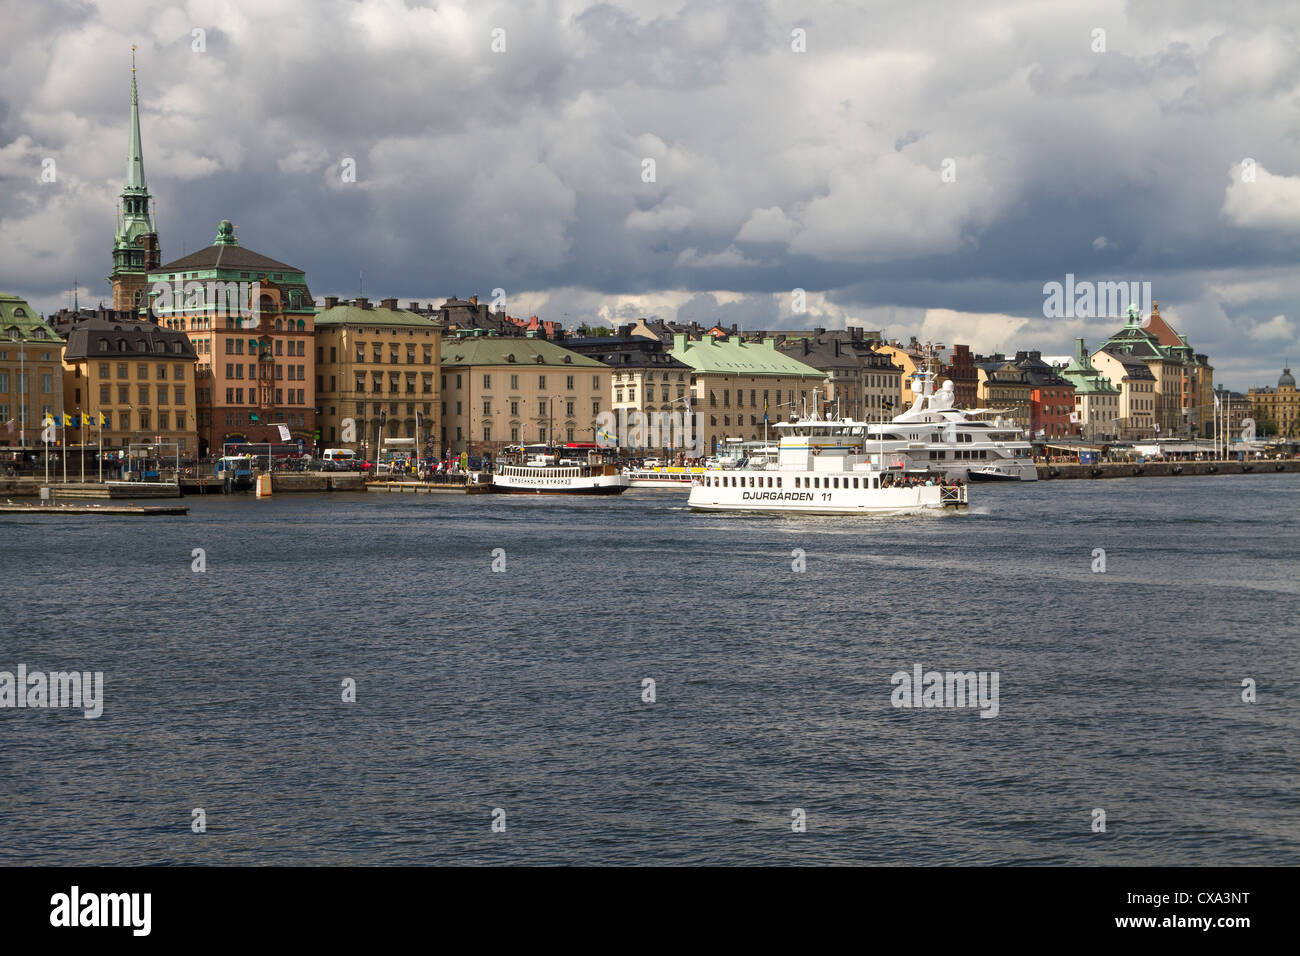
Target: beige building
[(910, 359), (503, 390), (737, 383), (1277, 410), (134, 381), (1138, 403), (1004, 387), (31, 373), (377, 367)]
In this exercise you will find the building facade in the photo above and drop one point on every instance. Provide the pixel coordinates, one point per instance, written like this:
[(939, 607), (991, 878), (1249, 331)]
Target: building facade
[(378, 372), (861, 383), (1277, 410), (1051, 398), (1183, 402), (132, 380), (739, 384), (644, 378), (1137, 391), (250, 319), (31, 373), (505, 390), (1096, 400), (1004, 388)]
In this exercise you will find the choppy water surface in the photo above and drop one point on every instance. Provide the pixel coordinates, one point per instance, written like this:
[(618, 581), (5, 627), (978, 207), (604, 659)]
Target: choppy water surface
[(522, 690)]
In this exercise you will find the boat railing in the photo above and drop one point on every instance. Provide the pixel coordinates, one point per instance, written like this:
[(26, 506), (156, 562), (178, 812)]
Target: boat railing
[(952, 494)]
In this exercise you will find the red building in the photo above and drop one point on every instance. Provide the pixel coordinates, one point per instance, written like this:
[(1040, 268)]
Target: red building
[(1051, 398), (960, 370)]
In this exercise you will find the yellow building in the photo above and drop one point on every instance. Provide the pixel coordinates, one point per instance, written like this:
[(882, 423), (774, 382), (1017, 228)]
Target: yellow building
[(31, 384), (501, 390), (134, 380), (1277, 408), (910, 359), (737, 384), (373, 366)]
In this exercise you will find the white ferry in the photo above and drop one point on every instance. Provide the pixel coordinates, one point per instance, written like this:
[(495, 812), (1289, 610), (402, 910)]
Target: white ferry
[(822, 468), (565, 470), (961, 443), (668, 476)]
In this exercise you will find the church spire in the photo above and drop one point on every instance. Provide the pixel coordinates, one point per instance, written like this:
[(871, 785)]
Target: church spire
[(135, 153), (135, 247)]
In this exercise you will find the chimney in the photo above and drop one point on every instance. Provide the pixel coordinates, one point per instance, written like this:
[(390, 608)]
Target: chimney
[(331, 301), (473, 300), (389, 304), (362, 302), (413, 307)]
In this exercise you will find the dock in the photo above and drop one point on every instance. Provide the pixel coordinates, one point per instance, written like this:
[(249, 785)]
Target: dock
[(1167, 469), (418, 487), (89, 509)]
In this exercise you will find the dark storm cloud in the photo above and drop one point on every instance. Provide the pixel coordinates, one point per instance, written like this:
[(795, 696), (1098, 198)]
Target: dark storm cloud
[(774, 169)]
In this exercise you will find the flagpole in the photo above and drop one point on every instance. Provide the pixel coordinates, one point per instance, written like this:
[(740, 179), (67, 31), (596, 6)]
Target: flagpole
[(81, 419), (99, 445)]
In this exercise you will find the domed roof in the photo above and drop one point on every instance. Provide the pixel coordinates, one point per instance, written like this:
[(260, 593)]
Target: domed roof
[(1286, 379)]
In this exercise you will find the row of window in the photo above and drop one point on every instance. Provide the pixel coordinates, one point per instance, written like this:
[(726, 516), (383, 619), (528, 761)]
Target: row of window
[(141, 370), (288, 418), (800, 481), (23, 382), (235, 396), (296, 373), (235, 346), (142, 394), (377, 354)]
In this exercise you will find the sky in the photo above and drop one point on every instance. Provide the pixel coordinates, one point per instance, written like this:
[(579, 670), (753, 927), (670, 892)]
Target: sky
[(924, 168)]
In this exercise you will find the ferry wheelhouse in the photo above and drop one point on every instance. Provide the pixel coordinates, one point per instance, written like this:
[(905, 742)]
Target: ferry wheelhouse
[(822, 467), (573, 469)]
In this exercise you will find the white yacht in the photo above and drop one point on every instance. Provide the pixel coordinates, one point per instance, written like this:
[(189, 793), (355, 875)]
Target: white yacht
[(962, 443), (822, 467)]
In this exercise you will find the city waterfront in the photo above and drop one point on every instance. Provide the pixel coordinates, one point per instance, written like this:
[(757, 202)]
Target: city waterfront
[(522, 689)]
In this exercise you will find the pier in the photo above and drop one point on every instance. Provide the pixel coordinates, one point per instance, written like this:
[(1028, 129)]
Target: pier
[(88, 509), (1049, 471)]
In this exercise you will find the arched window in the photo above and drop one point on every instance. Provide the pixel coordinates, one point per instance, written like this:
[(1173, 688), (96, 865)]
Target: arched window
[(302, 326), (279, 326)]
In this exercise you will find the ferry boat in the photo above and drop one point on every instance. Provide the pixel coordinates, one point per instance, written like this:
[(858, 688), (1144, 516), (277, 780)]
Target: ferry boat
[(566, 470), (960, 443), (667, 476), (822, 468)]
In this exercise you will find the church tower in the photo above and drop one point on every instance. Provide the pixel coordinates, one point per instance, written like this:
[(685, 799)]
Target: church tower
[(135, 247)]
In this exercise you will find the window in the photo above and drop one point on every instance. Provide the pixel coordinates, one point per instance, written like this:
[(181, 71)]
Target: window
[(121, 370), (595, 383), (568, 383), (541, 382), (144, 418), (514, 383), (143, 393), (123, 394), (47, 383), (162, 394), (514, 408), (142, 371)]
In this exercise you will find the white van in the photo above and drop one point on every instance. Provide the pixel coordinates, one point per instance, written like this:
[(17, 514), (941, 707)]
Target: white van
[(338, 459)]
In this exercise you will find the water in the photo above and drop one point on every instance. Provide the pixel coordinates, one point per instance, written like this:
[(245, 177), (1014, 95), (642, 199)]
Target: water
[(522, 690)]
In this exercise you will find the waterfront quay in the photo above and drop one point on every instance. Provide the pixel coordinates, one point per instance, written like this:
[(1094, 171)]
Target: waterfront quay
[(1166, 469)]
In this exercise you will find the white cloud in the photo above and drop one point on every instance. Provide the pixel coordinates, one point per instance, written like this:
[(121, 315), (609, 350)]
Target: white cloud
[(1277, 329), (1270, 202)]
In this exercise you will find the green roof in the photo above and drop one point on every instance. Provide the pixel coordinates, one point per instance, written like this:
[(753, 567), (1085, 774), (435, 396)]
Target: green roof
[(734, 357), (16, 313), (372, 318), (510, 350)]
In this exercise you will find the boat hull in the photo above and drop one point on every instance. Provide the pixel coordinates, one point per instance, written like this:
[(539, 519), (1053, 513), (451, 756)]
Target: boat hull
[(878, 501)]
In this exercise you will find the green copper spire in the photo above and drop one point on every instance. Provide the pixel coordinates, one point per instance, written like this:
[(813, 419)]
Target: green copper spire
[(134, 153), (135, 245)]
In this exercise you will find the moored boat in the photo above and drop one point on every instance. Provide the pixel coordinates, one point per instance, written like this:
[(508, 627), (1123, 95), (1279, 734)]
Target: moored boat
[(567, 470)]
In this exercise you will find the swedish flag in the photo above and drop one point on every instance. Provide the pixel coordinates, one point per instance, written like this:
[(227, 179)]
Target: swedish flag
[(67, 420), (103, 419)]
